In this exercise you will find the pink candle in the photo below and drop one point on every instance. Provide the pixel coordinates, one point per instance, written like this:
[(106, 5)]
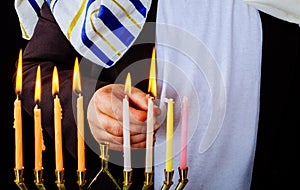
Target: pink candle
[(184, 134)]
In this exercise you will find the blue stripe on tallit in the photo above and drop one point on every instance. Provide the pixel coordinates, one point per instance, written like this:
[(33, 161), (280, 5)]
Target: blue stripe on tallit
[(35, 6), (140, 7), (114, 25), (89, 44)]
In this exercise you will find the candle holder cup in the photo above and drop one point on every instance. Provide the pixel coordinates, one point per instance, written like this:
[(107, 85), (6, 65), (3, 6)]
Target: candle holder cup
[(168, 180), (127, 179), (81, 179), (183, 180), (148, 181), (60, 182), (19, 180), (38, 179)]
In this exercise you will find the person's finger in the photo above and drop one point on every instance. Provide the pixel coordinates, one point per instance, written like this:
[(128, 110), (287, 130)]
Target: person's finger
[(137, 116), (115, 127), (139, 145), (138, 99), (138, 138), (101, 135)]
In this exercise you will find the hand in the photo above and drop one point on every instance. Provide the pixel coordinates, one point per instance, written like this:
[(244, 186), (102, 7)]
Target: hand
[(104, 115)]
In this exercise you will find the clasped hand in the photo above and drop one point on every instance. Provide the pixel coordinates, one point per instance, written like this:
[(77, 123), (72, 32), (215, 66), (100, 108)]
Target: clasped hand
[(104, 116)]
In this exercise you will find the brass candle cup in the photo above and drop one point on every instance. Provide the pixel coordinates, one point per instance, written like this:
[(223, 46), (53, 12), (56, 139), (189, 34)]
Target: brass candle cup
[(148, 180), (38, 179), (19, 180), (81, 179), (127, 179), (60, 182), (168, 180), (183, 180)]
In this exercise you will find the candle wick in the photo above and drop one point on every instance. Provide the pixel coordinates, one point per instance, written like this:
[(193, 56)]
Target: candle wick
[(18, 94), (77, 92), (37, 103)]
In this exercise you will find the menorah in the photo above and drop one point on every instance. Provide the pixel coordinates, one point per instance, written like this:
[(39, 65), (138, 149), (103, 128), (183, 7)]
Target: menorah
[(81, 171), (104, 158)]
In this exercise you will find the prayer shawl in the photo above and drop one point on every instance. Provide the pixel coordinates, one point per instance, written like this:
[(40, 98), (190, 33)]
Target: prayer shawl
[(100, 30)]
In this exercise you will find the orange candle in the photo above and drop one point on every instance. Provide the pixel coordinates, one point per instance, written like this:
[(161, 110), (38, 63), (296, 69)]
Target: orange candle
[(80, 118), (38, 139), (57, 123), (38, 143), (18, 118)]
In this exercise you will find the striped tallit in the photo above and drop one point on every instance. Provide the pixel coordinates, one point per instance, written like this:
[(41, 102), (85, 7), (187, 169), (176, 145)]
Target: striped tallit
[(100, 30)]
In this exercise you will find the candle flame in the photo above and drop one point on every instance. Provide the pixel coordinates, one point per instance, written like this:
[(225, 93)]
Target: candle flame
[(76, 78), (19, 74), (128, 84), (37, 93), (55, 86), (152, 76)]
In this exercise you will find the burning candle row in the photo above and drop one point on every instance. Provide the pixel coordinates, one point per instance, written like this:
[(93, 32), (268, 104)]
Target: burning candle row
[(39, 145), (152, 90)]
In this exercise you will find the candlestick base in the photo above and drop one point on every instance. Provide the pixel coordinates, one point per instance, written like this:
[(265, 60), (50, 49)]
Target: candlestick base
[(38, 179), (19, 180), (60, 182), (148, 180), (183, 180), (104, 169), (81, 179), (168, 180)]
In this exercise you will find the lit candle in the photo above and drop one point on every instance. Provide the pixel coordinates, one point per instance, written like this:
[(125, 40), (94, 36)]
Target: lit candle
[(38, 143), (169, 146), (152, 75), (18, 118), (80, 118), (57, 122), (149, 137), (184, 134), (126, 125), (150, 124)]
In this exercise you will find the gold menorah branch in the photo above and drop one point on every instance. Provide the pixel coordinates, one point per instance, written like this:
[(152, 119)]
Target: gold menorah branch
[(81, 179), (38, 179), (104, 156), (148, 180), (60, 182), (19, 180), (168, 180), (127, 179), (183, 180)]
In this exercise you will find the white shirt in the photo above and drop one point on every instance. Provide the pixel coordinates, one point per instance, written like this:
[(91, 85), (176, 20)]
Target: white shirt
[(210, 51)]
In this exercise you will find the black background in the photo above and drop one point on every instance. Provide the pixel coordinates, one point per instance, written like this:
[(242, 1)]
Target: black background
[(277, 159)]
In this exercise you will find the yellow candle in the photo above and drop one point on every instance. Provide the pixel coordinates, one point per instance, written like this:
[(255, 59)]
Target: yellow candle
[(169, 146), (80, 118), (38, 144), (18, 118), (57, 123)]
